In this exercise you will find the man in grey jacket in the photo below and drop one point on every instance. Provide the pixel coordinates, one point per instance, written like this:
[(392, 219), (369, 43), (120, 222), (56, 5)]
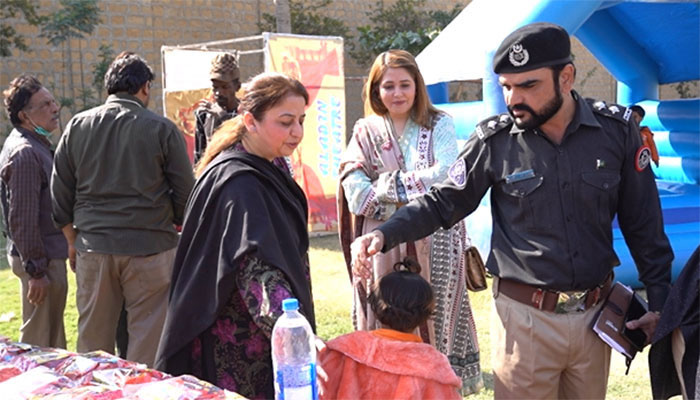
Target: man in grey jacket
[(120, 182)]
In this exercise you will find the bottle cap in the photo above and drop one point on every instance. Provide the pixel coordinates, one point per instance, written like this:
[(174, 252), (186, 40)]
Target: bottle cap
[(291, 304)]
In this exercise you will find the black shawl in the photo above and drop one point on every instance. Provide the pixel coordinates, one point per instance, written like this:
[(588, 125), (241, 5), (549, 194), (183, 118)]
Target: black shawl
[(241, 205), (681, 310)]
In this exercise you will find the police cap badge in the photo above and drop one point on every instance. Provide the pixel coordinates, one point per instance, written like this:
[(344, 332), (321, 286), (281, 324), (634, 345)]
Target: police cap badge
[(533, 46)]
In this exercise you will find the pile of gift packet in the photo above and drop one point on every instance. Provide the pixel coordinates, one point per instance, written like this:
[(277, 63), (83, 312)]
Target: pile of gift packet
[(30, 372)]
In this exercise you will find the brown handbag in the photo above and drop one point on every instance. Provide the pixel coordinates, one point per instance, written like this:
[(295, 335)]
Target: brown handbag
[(475, 271)]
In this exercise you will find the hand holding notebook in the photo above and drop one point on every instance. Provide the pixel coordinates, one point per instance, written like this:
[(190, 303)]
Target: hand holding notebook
[(622, 306)]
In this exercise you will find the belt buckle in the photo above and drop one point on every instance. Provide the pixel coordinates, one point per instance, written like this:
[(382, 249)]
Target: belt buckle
[(571, 302), (538, 298)]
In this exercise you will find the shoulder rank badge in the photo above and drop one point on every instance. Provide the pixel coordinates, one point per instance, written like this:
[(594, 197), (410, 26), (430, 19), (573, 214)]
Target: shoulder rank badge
[(458, 173), (642, 158), (480, 132), (628, 113)]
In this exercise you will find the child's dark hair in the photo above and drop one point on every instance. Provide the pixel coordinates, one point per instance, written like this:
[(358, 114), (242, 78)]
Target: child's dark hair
[(402, 299)]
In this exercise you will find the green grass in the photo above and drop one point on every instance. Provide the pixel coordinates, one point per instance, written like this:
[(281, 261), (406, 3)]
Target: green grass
[(10, 303), (331, 287), (333, 299)]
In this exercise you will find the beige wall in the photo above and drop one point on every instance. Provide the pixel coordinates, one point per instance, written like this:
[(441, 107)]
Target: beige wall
[(592, 79), (143, 26)]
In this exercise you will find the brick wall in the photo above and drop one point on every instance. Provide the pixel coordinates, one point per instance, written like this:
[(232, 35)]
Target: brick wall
[(143, 26), (592, 79), (354, 13)]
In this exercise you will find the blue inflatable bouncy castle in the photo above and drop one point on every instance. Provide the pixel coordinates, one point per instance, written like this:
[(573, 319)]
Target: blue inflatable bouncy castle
[(642, 44)]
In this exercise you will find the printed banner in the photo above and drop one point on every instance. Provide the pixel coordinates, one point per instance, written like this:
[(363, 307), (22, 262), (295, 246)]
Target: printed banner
[(179, 108), (318, 63), (185, 83)]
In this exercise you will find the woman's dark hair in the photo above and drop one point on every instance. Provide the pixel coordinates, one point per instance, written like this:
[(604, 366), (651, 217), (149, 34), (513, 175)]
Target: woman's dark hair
[(261, 93), (402, 299), (127, 73), (18, 94)]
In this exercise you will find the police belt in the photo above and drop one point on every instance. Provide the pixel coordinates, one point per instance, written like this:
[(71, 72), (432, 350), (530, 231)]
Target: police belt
[(551, 300)]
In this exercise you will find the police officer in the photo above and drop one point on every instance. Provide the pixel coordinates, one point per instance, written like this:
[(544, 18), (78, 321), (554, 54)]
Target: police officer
[(560, 168)]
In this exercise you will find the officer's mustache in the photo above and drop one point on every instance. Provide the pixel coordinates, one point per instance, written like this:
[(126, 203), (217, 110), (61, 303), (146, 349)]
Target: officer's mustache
[(520, 107)]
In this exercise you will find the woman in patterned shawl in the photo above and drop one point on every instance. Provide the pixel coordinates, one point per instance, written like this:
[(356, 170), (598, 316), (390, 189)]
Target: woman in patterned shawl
[(243, 247), (400, 149)]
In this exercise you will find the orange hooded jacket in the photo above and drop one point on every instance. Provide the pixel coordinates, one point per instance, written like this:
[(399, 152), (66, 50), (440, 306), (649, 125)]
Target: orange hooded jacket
[(384, 364)]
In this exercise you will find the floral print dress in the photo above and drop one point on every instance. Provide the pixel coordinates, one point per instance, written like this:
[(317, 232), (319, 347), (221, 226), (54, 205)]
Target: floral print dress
[(237, 346)]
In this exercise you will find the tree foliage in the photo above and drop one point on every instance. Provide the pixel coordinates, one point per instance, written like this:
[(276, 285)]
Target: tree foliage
[(686, 89), (105, 56), (9, 37), (406, 25), (74, 19), (307, 19)]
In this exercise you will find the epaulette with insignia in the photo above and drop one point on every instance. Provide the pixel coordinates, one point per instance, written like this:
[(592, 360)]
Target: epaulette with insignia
[(615, 111), (493, 125)]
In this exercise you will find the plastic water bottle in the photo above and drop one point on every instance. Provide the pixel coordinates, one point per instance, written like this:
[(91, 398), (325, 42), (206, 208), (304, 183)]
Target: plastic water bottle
[(293, 355)]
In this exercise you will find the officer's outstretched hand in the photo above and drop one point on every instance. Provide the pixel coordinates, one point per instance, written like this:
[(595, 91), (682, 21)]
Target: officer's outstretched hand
[(647, 323), (362, 249)]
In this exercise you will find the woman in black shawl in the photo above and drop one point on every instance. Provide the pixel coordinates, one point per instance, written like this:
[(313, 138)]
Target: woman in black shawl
[(243, 247)]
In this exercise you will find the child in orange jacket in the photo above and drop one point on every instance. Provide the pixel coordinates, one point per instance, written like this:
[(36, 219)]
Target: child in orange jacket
[(389, 363), (646, 133)]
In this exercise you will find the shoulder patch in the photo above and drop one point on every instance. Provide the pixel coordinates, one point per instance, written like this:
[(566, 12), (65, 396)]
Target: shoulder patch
[(642, 158), (614, 111), (458, 173), (492, 125)]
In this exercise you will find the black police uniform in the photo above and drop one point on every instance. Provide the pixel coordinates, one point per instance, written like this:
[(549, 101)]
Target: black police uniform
[(553, 205)]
